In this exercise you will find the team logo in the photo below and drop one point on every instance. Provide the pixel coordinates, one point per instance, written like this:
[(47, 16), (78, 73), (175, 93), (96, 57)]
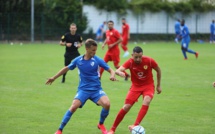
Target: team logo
[(63, 37), (111, 33), (92, 63), (145, 67), (140, 74)]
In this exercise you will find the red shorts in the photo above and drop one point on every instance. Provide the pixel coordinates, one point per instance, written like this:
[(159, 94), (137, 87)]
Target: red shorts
[(135, 92), (110, 57)]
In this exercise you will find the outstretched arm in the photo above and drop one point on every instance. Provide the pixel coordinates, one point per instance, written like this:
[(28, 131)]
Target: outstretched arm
[(158, 87), (61, 72), (112, 74), (120, 71)]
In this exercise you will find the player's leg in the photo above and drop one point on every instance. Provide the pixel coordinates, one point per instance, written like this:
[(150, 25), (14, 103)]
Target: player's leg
[(67, 61), (191, 51), (75, 104), (147, 98), (184, 49), (100, 98), (124, 47), (131, 98), (211, 38), (78, 101)]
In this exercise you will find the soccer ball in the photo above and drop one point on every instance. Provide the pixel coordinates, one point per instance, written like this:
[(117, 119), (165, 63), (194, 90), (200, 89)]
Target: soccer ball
[(138, 130)]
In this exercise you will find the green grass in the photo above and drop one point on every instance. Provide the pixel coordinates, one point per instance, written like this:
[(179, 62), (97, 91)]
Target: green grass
[(28, 106)]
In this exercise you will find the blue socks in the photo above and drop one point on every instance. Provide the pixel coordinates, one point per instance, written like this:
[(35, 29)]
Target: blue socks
[(65, 120), (103, 115)]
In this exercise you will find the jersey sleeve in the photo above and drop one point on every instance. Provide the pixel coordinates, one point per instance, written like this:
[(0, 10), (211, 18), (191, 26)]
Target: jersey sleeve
[(73, 64), (102, 63), (63, 38), (153, 63), (117, 34), (127, 64)]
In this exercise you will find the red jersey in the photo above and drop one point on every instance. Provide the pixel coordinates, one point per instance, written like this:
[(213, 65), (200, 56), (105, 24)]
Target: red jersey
[(141, 74), (125, 30), (111, 37)]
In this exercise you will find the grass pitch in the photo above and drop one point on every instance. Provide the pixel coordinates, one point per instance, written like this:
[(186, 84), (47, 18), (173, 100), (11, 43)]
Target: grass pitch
[(28, 106)]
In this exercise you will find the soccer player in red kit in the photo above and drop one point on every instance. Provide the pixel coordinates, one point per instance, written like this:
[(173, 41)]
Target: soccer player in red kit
[(113, 38), (125, 37), (142, 85)]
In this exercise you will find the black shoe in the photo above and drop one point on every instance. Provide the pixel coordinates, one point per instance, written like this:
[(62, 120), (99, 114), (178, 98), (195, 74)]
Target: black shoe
[(127, 77), (63, 80)]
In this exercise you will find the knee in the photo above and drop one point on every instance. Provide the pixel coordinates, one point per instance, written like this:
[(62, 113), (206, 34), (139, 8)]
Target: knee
[(147, 101), (127, 107), (106, 105), (184, 48)]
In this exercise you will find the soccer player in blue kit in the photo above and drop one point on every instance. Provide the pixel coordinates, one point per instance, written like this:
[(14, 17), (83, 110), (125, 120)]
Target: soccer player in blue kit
[(177, 30), (185, 35), (89, 85), (100, 31)]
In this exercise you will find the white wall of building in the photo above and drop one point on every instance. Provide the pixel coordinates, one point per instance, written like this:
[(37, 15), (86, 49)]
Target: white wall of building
[(149, 22)]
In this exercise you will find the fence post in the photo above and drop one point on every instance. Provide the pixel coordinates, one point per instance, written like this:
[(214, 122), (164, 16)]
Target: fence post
[(167, 26), (8, 27), (42, 28)]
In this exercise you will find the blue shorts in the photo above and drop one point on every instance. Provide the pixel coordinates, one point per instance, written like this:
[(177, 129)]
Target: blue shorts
[(99, 34), (94, 96), (185, 43)]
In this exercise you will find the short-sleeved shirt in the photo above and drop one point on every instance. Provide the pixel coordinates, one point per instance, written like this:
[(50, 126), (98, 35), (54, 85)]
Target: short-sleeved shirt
[(185, 34), (74, 39), (111, 37), (88, 72), (125, 30), (141, 74)]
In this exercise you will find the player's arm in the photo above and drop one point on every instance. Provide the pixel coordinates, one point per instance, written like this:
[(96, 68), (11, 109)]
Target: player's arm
[(105, 42), (112, 74), (61, 72), (158, 88), (120, 71), (115, 43), (62, 43)]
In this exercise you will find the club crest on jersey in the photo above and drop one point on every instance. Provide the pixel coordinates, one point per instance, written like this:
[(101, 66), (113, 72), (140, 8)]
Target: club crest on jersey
[(92, 64), (145, 67), (111, 33)]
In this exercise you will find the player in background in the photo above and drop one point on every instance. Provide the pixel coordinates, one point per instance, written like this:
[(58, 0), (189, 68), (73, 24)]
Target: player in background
[(212, 32), (142, 85), (100, 31), (72, 41), (125, 37), (113, 38), (185, 35), (177, 30), (89, 84)]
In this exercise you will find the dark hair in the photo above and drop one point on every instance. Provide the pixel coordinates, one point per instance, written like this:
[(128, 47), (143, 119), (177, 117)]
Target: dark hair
[(183, 20), (110, 21), (90, 42), (123, 18), (137, 49)]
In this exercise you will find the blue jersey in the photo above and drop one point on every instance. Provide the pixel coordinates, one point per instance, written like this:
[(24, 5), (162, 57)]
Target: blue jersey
[(212, 27), (185, 33), (177, 27), (88, 72), (99, 31)]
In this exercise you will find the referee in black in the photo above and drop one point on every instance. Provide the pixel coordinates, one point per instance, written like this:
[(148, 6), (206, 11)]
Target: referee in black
[(72, 42)]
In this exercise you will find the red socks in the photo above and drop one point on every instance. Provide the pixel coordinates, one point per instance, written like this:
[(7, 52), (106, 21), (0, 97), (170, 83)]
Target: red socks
[(141, 114), (118, 119)]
